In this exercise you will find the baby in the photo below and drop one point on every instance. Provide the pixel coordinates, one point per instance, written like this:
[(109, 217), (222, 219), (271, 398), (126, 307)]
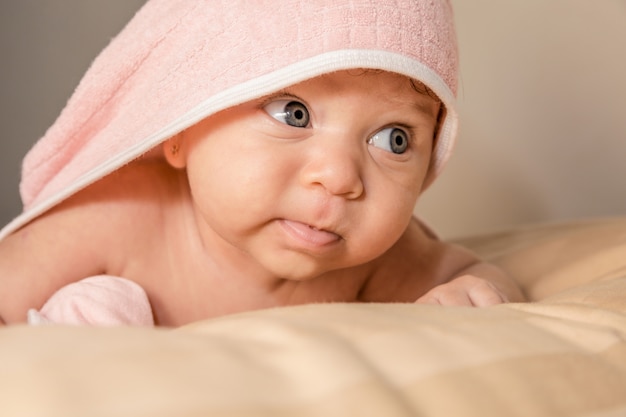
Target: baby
[(226, 157)]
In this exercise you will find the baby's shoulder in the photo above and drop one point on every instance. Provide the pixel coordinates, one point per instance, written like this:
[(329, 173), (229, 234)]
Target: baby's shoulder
[(127, 202), (103, 229), (138, 181)]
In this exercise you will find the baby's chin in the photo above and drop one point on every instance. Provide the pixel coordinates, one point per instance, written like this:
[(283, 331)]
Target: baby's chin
[(324, 273)]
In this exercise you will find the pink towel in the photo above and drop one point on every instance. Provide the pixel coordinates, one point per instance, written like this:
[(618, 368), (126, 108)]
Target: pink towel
[(179, 61), (102, 301)]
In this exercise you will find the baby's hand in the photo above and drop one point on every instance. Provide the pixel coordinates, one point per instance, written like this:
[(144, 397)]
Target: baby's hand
[(466, 290)]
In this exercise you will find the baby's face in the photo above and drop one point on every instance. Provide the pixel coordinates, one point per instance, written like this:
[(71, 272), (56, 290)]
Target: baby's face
[(321, 176)]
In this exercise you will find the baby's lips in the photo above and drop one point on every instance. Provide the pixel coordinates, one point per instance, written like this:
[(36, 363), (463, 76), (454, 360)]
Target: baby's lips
[(310, 233)]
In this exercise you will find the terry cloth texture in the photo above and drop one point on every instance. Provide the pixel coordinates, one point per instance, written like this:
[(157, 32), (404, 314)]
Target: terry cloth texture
[(177, 62)]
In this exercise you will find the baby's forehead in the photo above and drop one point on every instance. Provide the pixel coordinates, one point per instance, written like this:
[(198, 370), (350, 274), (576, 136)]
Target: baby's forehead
[(348, 76), (382, 85)]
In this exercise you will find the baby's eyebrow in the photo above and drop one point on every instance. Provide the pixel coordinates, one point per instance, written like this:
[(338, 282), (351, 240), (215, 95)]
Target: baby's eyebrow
[(424, 104), (282, 93), (428, 108)]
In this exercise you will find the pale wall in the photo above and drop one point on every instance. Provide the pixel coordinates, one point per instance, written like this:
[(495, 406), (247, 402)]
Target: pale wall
[(543, 116)]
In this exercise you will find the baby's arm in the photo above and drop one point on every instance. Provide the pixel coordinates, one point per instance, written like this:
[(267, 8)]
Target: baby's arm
[(477, 283), (71, 242), (39, 259)]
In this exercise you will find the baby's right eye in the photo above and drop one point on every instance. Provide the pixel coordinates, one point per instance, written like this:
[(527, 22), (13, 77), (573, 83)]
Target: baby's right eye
[(290, 112)]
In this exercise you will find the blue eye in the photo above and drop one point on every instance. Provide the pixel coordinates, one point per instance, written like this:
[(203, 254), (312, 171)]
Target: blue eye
[(290, 112), (391, 139)]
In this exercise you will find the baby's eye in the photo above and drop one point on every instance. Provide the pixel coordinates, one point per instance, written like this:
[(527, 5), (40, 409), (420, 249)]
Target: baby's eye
[(391, 139), (290, 112)]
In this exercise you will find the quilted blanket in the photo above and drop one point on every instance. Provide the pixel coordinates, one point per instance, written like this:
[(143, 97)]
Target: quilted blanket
[(564, 354)]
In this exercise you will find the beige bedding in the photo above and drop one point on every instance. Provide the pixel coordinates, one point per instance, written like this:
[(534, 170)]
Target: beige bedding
[(562, 355)]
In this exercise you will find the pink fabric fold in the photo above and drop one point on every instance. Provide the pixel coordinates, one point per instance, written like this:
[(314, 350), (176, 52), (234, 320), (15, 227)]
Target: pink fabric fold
[(179, 61), (100, 301)]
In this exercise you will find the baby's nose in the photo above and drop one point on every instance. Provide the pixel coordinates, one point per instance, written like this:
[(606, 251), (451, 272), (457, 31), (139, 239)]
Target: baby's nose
[(335, 165)]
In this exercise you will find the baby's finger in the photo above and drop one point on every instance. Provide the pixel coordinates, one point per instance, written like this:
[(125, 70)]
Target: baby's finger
[(446, 295), (485, 294)]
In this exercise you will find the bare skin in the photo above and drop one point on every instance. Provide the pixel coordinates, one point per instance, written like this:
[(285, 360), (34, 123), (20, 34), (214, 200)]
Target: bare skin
[(163, 254), (251, 210)]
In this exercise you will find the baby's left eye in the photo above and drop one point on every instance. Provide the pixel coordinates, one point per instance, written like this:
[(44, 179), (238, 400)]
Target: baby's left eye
[(391, 139)]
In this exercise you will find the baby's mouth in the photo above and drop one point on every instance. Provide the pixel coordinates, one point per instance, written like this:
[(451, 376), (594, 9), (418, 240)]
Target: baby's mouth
[(309, 234)]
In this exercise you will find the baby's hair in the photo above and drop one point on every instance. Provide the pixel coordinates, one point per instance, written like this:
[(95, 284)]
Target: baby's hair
[(417, 85), (422, 88)]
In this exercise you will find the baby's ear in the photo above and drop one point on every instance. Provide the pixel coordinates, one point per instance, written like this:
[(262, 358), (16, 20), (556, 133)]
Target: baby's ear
[(173, 152)]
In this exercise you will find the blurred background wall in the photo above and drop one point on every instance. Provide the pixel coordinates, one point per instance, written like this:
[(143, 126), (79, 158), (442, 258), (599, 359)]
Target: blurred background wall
[(542, 101), (543, 116)]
